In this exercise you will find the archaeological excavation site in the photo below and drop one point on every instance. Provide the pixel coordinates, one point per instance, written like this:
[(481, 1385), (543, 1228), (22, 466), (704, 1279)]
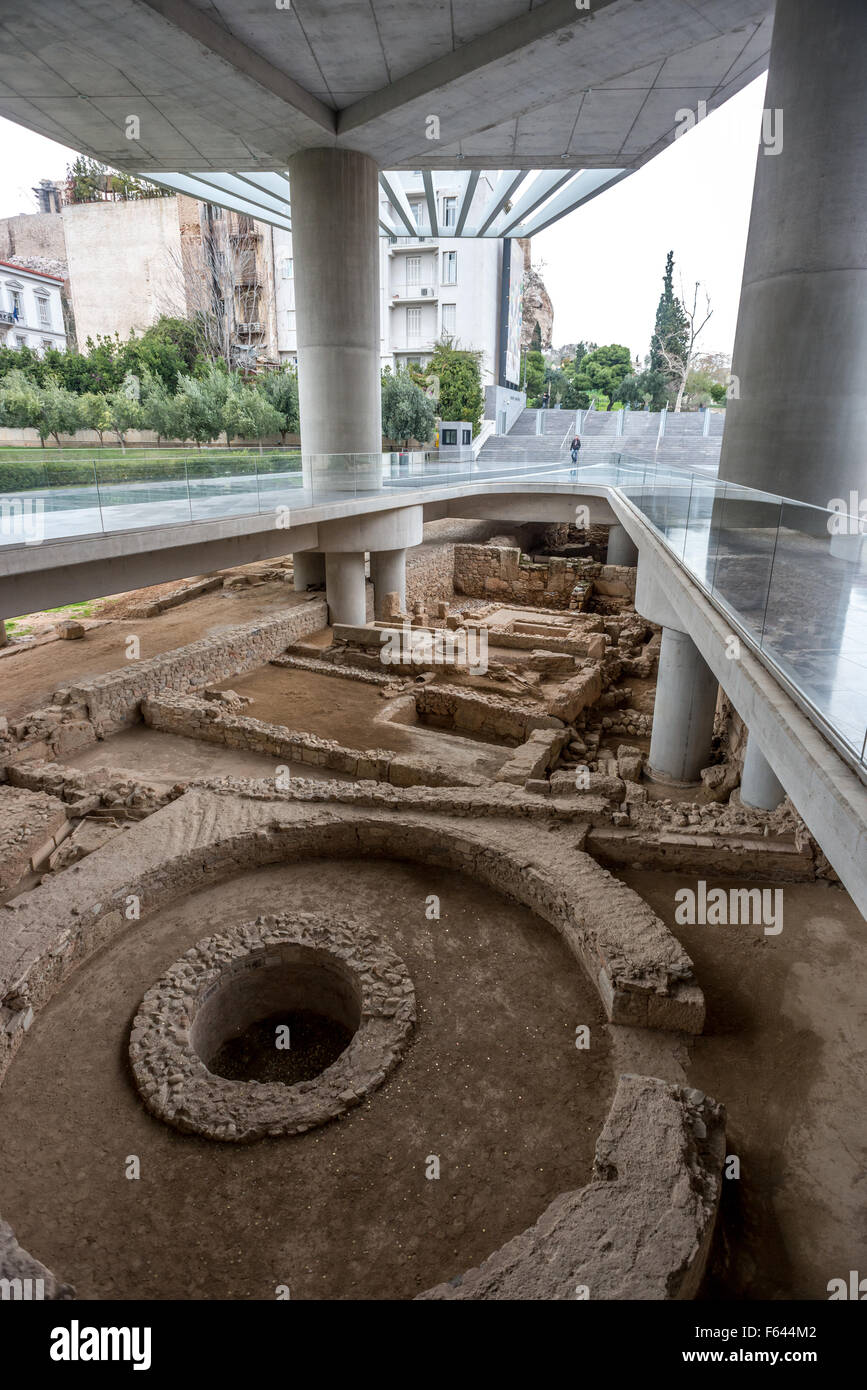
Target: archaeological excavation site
[(400, 958)]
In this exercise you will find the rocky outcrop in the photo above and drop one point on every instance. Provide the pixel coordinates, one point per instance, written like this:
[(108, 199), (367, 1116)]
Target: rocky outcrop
[(537, 306)]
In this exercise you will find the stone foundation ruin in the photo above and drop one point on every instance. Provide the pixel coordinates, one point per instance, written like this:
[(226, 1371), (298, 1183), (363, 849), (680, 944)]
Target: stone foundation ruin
[(504, 739)]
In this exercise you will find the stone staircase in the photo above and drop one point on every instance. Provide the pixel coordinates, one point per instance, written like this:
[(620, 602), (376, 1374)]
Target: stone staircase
[(683, 443), (524, 444)]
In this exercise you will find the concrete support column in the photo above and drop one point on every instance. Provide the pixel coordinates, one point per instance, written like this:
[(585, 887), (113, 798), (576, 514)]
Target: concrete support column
[(686, 694), (622, 550), (388, 572), (760, 786), (344, 587), (803, 309), (335, 243), (309, 569), (3, 638)]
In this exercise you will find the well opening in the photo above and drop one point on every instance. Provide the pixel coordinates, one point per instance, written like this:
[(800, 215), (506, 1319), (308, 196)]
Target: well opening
[(280, 1015)]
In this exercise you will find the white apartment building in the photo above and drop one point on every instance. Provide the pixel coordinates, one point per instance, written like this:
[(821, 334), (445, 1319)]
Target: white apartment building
[(429, 286), (31, 313)]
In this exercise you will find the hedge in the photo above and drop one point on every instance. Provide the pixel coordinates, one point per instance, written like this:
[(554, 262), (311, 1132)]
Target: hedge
[(23, 476)]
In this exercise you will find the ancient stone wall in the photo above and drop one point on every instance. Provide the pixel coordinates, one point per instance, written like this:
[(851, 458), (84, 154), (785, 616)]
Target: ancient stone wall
[(492, 716), (429, 572), (202, 719), (113, 700), (486, 571)]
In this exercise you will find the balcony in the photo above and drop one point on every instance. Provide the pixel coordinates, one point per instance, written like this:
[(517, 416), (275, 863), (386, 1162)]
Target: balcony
[(404, 344), (7, 316), (409, 243), (251, 327), (413, 294)]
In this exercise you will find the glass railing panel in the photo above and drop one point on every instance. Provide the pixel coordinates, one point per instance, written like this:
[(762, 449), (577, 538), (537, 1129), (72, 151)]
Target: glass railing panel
[(816, 631), (135, 491), (743, 528), (280, 479), (699, 551), (42, 497), (222, 484)]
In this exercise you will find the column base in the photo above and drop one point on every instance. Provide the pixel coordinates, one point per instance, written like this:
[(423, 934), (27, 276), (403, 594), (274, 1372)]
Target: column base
[(309, 570), (622, 550), (344, 588), (760, 786)]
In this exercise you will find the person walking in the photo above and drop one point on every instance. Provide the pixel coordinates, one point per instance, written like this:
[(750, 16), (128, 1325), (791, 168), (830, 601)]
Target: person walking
[(573, 449)]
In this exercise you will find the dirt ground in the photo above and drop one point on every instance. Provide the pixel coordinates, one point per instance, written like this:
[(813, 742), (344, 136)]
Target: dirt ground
[(492, 1084), (161, 759), (781, 1048), (346, 710), (29, 679)]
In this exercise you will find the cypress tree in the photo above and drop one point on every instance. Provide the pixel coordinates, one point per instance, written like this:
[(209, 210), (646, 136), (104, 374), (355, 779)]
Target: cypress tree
[(672, 327)]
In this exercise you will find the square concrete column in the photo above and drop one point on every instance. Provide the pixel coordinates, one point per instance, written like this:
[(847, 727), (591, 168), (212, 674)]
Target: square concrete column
[(308, 570), (388, 572), (344, 587), (760, 786), (686, 695)]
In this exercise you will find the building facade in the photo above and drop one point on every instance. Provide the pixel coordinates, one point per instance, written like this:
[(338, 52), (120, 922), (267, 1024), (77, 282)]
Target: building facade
[(429, 286), (31, 314), (130, 262)]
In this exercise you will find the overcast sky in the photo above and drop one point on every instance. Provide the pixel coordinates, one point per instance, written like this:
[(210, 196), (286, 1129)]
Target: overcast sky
[(602, 265)]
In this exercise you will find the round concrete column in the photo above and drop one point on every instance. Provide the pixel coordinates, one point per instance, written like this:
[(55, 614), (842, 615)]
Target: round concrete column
[(309, 569), (803, 309), (686, 693), (3, 638), (760, 786), (622, 550), (335, 241), (344, 587), (388, 572)]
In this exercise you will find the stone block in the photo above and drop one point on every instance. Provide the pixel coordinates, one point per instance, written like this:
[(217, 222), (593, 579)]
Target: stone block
[(576, 694)]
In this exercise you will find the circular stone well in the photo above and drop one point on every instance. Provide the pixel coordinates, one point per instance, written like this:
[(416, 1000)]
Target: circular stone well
[(332, 988)]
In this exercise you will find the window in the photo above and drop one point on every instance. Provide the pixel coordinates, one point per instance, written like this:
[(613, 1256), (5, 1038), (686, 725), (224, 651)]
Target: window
[(450, 267), (417, 210), (450, 212), (20, 340), (413, 270), (467, 436), (46, 344), (287, 268), (449, 437), (17, 306), (413, 323), (450, 318), (44, 309)]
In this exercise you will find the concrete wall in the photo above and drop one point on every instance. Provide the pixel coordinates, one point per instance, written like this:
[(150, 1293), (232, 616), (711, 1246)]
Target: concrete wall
[(30, 438), (125, 265), (499, 398)]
